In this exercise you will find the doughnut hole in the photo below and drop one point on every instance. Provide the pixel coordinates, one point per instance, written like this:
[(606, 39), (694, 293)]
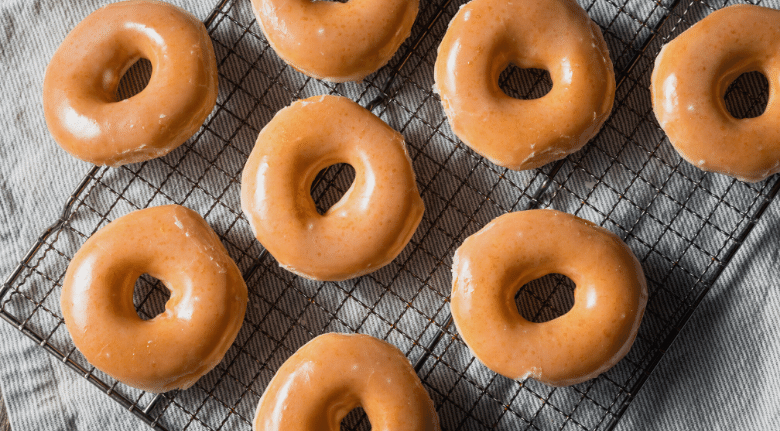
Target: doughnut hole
[(524, 84), (134, 80), (333, 183), (149, 297), (545, 298), (748, 95), (355, 420)]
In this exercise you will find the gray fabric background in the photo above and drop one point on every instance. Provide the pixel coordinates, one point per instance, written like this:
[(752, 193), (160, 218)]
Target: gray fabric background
[(721, 373)]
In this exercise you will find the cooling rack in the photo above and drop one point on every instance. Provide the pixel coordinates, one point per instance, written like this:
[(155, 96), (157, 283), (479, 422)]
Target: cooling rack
[(684, 226)]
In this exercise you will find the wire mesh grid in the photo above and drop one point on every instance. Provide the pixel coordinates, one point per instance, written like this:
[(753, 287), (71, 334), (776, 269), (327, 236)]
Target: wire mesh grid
[(683, 225)]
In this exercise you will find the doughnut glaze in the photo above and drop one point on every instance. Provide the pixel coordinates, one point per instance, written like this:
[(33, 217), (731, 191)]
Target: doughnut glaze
[(363, 231), (556, 35), (80, 103), (689, 83), (516, 248), (335, 373), (201, 319), (336, 41)]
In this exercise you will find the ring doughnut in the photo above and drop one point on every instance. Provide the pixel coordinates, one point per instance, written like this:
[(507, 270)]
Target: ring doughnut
[(689, 83), (334, 41), (79, 89), (557, 35), (516, 248), (363, 231), (335, 373), (201, 319)]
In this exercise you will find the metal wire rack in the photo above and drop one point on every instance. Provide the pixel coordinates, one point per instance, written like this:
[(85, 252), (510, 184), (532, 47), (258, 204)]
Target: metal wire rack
[(684, 226)]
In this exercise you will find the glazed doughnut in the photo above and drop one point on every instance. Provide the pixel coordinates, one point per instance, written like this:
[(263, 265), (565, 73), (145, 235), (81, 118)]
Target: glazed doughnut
[(516, 248), (335, 41), (335, 373), (363, 231), (79, 89), (689, 83), (557, 35), (201, 318)]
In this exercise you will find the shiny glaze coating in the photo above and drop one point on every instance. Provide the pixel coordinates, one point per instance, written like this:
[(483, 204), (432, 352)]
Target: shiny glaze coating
[(517, 248), (79, 90), (335, 41), (556, 35), (363, 231), (201, 319), (689, 83), (335, 373)]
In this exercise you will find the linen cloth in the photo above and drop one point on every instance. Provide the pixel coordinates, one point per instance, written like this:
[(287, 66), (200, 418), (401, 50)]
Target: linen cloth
[(721, 373)]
